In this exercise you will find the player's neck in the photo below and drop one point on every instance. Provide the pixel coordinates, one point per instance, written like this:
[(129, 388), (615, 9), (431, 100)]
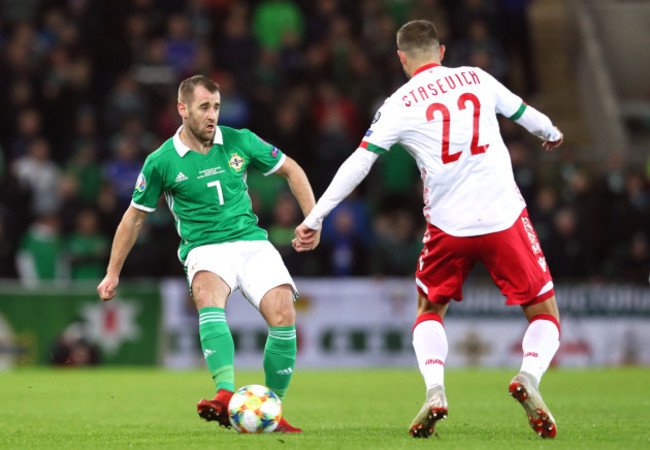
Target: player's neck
[(188, 138), (414, 66)]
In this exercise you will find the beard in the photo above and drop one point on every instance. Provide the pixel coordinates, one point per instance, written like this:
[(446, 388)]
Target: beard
[(200, 132)]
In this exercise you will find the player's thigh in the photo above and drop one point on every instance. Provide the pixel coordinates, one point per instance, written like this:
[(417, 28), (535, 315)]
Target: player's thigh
[(262, 271), (443, 265), (548, 306), (517, 265), (209, 290), (212, 273), (277, 308), (426, 306)]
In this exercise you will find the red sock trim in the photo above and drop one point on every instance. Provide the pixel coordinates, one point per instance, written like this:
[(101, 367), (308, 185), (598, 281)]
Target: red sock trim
[(548, 317), (428, 316)]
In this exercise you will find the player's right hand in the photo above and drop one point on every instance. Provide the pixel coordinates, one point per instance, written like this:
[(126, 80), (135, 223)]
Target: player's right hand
[(550, 145), (306, 238), (106, 288)]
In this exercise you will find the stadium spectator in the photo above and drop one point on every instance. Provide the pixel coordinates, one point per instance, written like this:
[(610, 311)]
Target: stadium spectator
[(396, 245), (41, 252), (473, 209), (345, 241), (480, 49), (123, 168), (285, 216), (273, 20), (40, 175), (28, 128), (74, 348), (126, 100), (237, 49), (87, 248)]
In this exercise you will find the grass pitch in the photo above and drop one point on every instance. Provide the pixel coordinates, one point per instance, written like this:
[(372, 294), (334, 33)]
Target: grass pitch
[(153, 408)]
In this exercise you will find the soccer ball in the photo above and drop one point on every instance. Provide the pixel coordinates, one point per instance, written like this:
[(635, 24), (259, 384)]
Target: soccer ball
[(255, 409)]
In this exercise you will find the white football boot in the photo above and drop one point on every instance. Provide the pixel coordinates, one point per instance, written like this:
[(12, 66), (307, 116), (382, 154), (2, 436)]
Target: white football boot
[(433, 410), (539, 416)]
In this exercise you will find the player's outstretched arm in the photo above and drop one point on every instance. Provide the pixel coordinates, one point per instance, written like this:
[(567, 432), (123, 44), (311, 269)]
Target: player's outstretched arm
[(539, 124), (348, 177), (299, 185), (125, 236)]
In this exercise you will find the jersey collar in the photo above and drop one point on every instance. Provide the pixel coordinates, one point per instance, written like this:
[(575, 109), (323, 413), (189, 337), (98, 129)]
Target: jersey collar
[(182, 149), (425, 67)]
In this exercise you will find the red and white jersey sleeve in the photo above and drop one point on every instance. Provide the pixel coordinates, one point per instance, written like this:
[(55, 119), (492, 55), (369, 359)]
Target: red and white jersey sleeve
[(446, 119)]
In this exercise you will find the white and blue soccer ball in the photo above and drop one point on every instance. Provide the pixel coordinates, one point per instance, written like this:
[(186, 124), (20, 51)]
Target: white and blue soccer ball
[(255, 409)]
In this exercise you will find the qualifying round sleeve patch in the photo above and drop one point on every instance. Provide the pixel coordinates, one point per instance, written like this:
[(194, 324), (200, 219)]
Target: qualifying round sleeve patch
[(141, 184), (377, 117)]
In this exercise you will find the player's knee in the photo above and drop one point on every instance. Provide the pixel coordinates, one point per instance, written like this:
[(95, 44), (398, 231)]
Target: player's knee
[(208, 290), (548, 306), (277, 308), (426, 307), (284, 316), (202, 297)]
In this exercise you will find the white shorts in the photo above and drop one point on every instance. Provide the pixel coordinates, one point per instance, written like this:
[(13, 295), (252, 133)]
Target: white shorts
[(255, 267)]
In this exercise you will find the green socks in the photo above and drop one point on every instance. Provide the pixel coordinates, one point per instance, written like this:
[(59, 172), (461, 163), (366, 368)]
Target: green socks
[(279, 358), (219, 352), (218, 347)]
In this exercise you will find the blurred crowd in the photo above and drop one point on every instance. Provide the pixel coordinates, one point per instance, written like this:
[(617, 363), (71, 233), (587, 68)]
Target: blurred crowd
[(88, 89)]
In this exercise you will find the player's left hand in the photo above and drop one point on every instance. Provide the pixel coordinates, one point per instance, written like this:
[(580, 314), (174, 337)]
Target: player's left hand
[(550, 145), (306, 238)]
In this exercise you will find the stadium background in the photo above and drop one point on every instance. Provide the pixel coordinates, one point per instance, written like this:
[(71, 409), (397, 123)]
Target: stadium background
[(87, 90)]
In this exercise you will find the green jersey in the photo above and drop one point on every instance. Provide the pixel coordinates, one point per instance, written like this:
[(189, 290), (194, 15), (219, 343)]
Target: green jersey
[(207, 194)]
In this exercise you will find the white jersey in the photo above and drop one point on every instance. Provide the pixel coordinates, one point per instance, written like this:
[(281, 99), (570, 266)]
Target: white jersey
[(446, 119)]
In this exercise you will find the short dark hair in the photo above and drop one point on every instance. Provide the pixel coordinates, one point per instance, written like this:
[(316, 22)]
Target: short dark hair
[(417, 36), (187, 86)]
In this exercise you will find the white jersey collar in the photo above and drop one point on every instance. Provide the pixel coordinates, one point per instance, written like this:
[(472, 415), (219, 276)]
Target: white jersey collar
[(182, 149)]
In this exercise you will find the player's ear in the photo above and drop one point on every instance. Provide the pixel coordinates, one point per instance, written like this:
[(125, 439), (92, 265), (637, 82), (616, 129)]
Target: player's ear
[(442, 52), (182, 109)]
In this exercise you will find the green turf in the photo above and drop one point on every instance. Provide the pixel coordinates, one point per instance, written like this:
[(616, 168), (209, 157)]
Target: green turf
[(150, 408)]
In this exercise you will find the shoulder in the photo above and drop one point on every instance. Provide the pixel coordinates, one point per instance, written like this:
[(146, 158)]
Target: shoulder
[(474, 72), (243, 138), (235, 133), (165, 152)]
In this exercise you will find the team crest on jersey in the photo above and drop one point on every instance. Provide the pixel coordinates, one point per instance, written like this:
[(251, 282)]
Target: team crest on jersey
[(377, 117), (236, 162), (141, 184)]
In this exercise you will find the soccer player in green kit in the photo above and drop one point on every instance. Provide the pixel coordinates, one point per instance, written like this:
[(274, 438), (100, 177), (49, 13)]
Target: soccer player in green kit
[(202, 173)]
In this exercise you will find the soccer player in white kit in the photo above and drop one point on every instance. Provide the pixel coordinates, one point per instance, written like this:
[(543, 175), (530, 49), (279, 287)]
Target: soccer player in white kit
[(446, 119)]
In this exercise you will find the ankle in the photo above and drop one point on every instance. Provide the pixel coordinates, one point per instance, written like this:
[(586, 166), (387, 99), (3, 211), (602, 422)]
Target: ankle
[(532, 378), (433, 390)]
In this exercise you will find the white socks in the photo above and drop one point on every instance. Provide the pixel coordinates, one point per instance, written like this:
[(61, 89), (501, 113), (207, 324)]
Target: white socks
[(541, 341), (430, 344)]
